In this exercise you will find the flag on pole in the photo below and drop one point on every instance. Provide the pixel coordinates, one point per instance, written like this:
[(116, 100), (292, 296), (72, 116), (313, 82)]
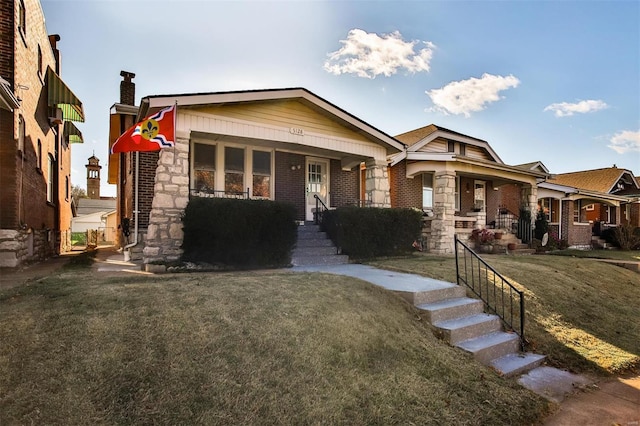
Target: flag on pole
[(155, 132)]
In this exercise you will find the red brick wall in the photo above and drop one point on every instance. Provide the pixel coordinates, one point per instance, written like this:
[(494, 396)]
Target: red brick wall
[(8, 173), (510, 197), (344, 186), (404, 192), (289, 184), (148, 165), (7, 31)]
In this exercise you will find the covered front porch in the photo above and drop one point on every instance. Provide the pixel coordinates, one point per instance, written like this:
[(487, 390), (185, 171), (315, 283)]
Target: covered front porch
[(467, 194)]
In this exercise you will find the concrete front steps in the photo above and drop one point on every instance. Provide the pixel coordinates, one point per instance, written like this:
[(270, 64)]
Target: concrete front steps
[(502, 245), (315, 248), (461, 322)]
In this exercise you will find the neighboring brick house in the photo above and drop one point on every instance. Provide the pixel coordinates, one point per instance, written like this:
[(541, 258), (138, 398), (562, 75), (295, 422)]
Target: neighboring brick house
[(585, 202), (281, 144), (36, 110), (459, 182)]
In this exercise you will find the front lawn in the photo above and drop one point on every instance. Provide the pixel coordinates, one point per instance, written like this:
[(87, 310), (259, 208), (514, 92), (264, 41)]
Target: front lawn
[(581, 313), (270, 347)]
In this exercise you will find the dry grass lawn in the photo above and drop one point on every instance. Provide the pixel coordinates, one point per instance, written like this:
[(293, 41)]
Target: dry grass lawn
[(584, 315), (245, 348)]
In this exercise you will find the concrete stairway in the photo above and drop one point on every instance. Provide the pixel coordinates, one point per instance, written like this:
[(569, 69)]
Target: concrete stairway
[(501, 245), (315, 248), (460, 320)]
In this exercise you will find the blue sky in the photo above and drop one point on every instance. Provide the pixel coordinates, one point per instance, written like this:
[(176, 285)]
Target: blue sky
[(557, 82)]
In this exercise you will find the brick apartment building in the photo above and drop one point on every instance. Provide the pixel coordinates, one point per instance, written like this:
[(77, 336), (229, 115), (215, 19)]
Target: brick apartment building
[(36, 130)]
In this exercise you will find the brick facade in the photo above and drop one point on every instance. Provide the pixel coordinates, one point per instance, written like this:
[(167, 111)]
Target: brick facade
[(289, 184), (35, 177), (405, 193), (344, 186)]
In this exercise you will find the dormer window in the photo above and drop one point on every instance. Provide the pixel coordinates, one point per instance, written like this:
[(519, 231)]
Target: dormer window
[(463, 149)]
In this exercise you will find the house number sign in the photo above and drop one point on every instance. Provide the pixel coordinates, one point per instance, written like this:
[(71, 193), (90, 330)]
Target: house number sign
[(296, 131)]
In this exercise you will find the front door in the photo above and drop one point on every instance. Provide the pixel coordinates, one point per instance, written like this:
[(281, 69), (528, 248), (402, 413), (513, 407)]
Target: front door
[(317, 183)]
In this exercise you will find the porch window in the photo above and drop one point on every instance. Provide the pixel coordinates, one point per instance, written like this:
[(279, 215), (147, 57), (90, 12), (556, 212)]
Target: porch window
[(427, 191), (546, 206), (204, 162), (233, 170), (261, 174)]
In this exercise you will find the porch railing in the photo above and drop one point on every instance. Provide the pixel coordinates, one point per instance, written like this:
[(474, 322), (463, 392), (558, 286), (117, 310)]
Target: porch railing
[(498, 294), (321, 207), (211, 193)]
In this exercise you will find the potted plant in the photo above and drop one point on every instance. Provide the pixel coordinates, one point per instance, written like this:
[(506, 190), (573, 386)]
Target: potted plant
[(483, 239)]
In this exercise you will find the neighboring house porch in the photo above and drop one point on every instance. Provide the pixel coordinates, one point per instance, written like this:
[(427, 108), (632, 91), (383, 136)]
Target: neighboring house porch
[(457, 181)]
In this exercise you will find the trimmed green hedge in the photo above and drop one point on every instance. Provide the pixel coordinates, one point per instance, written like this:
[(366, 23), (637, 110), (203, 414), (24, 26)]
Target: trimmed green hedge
[(366, 233), (239, 233)]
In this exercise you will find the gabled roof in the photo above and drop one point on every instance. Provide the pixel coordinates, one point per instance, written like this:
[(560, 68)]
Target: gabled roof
[(89, 205), (310, 99), (599, 180), (536, 165), (418, 138)]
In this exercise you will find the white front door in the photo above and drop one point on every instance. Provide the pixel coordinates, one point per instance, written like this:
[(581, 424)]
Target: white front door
[(479, 192), (317, 183)]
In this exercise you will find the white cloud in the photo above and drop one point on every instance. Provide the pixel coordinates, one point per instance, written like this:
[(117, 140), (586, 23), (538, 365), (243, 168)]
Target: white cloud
[(368, 55), (566, 109), (625, 141), (467, 96)]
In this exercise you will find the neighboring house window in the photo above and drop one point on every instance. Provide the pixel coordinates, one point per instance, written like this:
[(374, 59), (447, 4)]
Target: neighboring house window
[(204, 161), (233, 169), (22, 18), (451, 146), (50, 179), (39, 155), (261, 174), (21, 133), (427, 191), (545, 205), (576, 210), (457, 194), (463, 149), (590, 207)]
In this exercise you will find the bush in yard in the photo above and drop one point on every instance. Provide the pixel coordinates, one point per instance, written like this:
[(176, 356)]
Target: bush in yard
[(541, 224), (627, 237), (239, 233), (366, 233)]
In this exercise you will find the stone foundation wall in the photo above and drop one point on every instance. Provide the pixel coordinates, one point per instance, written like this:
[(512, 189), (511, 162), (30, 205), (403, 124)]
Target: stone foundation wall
[(20, 247)]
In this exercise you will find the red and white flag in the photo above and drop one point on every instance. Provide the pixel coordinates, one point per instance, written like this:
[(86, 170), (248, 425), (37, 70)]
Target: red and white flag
[(155, 132)]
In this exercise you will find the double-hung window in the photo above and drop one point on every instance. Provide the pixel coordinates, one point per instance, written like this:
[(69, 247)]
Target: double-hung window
[(204, 164), (427, 191), (261, 174), (233, 170)]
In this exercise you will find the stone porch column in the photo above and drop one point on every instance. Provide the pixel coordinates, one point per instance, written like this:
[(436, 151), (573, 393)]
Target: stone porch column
[(377, 184), (530, 199), (444, 210), (171, 195)]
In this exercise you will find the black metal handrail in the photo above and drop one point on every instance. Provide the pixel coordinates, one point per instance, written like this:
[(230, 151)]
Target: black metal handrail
[(212, 193), (498, 294), (505, 218), (321, 207)]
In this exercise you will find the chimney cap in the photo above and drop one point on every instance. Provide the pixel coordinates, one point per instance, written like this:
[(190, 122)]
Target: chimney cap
[(127, 75)]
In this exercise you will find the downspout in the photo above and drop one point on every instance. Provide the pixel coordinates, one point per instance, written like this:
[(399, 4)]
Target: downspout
[(127, 254)]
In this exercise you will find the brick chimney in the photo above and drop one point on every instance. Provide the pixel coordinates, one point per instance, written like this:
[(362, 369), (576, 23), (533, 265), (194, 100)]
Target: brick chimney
[(127, 88)]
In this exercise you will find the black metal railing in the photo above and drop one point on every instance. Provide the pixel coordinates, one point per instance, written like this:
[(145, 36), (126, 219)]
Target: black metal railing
[(525, 230), (211, 193), (321, 207), (505, 219), (498, 294)]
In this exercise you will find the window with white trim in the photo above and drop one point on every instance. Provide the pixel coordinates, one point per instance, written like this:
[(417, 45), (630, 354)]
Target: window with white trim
[(261, 174), (233, 170), (577, 205), (427, 191), (204, 166)]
